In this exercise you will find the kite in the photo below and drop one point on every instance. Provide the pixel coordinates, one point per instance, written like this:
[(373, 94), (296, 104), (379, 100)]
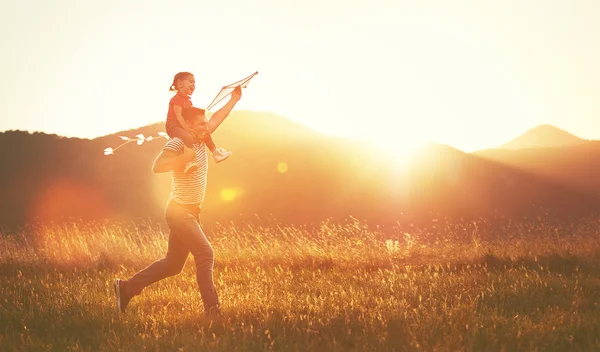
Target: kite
[(226, 90), (223, 93)]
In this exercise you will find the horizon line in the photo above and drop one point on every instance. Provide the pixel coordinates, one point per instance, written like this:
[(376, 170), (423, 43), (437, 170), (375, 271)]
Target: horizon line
[(291, 120)]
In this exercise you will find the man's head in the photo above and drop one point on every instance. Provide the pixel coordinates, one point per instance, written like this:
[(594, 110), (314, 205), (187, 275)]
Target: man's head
[(196, 119)]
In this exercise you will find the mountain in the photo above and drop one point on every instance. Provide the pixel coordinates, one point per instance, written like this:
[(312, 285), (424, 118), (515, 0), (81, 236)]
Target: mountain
[(554, 155), (543, 136), (279, 171), (574, 165)]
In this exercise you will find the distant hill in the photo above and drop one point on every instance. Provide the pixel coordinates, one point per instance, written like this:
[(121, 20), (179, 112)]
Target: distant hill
[(574, 165), (552, 154), (543, 136), (279, 170)]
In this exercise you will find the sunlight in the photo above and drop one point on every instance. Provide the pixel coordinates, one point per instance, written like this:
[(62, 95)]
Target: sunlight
[(229, 194), (400, 149), (68, 197), (282, 167)]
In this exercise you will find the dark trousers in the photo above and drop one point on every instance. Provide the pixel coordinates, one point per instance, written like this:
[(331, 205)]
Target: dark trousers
[(188, 138), (185, 236)]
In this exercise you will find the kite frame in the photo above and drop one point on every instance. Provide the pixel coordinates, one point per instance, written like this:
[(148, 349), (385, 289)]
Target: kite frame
[(243, 82)]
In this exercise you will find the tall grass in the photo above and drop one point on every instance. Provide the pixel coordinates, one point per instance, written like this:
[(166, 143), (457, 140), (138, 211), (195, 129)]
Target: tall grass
[(445, 287)]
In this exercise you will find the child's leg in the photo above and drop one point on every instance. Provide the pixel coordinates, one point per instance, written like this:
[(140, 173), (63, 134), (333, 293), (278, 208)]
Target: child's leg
[(188, 141), (186, 136), (209, 142)]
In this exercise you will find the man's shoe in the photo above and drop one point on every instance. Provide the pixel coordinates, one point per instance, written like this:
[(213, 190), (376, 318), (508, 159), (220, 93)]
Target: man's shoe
[(122, 297), (221, 154), (190, 166)]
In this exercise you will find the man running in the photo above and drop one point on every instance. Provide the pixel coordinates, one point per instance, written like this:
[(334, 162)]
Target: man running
[(183, 213)]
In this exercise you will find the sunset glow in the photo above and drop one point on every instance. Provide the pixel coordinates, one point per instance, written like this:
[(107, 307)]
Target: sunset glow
[(229, 194), (468, 74), (282, 167), (382, 175), (399, 151)]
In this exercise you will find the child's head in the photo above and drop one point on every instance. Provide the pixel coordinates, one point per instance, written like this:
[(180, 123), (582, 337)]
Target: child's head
[(184, 83)]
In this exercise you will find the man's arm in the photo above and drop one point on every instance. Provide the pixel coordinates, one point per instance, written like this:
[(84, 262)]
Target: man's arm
[(219, 116), (168, 160)]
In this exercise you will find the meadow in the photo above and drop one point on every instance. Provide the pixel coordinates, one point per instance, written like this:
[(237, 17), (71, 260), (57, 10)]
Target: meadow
[(473, 286)]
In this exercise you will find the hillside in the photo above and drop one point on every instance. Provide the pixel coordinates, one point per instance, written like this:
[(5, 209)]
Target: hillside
[(543, 136), (573, 165), (279, 170)]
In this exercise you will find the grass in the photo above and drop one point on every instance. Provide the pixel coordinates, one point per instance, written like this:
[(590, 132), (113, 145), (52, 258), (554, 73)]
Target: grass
[(340, 287)]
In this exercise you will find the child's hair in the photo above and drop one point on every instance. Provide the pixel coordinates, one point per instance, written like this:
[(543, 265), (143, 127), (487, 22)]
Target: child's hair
[(177, 77), (191, 112)]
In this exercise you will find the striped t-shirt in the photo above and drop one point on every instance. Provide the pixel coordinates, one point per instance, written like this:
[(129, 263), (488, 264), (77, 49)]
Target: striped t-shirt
[(189, 188)]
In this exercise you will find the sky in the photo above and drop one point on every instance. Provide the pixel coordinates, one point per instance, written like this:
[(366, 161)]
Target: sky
[(471, 74)]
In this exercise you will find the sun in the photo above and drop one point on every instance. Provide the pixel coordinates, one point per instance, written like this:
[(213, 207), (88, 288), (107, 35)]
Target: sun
[(401, 149)]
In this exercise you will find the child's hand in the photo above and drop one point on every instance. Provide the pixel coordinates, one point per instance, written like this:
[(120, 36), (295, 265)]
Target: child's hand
[(191, 131)]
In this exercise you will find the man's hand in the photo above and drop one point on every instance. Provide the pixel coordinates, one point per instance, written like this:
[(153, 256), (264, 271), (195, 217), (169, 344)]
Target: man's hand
[(237, 93), (168, 160)]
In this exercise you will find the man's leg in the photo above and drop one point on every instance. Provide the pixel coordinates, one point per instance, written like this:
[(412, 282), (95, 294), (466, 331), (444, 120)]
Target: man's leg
[(171, 265), (190, 233)]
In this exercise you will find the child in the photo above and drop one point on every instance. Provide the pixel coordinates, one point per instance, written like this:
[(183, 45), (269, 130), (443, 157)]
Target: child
[(184, 85)]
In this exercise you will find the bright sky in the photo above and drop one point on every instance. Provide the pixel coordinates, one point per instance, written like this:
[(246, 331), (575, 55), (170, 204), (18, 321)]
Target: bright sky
[(472, 74)]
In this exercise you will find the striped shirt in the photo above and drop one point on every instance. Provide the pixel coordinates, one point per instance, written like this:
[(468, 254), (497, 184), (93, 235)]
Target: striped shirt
[(189, 188)]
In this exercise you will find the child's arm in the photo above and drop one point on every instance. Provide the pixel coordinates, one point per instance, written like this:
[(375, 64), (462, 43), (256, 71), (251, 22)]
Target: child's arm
[(178, 113)]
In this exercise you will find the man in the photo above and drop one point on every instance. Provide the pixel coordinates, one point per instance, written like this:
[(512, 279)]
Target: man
[(182, 213)]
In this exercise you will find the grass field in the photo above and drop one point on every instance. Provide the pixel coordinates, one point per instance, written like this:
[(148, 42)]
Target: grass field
[(467, 287)]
